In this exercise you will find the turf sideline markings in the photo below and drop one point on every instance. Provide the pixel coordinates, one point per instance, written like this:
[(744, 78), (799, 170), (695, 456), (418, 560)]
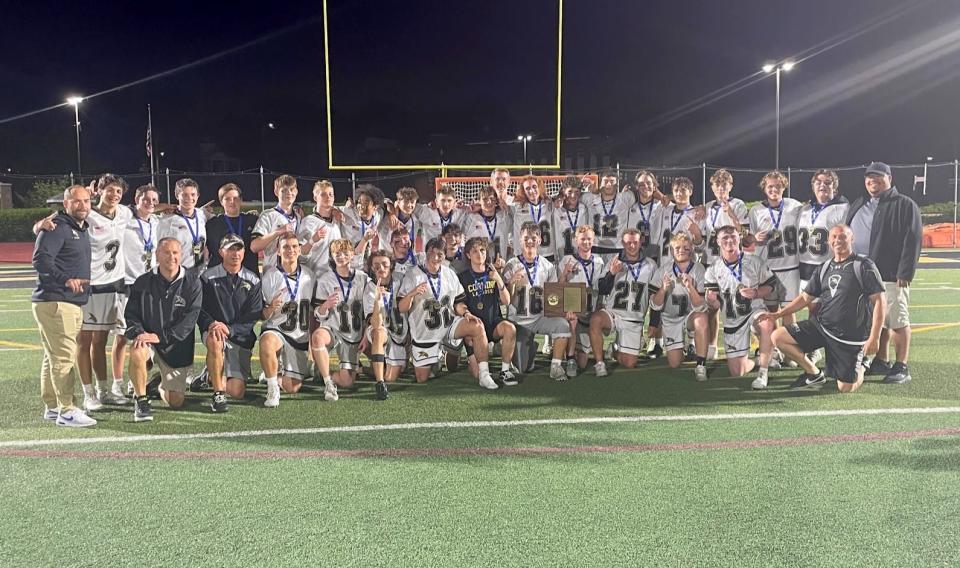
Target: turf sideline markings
[(476, 424)]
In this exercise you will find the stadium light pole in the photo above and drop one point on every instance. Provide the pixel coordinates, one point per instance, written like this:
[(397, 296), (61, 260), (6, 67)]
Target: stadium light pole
[(75, 101), (524, 138), (776, 68)]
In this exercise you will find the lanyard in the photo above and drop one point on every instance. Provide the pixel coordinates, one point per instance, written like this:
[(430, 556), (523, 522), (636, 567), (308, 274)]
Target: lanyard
[(573, 222), (296, 282), (486, 222), (588, 274), (412, 232), (290, 218), (387, 298), (531, 276), (445, 222), (346, 293), (676, 269), (230, 229), (776, 221), (480, 283), (714, 213), (194, 233), (675, 219), (815, 211), (411, 258), (645, 216), (539, 214), (639, 265), (613, 206), (439, 288), (147, 241), (363, 225), (738, 273)]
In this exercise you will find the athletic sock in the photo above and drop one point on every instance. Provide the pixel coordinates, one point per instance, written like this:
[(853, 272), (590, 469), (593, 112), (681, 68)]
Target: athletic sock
[(271, 382), (556, 362), (89, 391), (327, 381), (701, 360), (484, 368), (504, 366)]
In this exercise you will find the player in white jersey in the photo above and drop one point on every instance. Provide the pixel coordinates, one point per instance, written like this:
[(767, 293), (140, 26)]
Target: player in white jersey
[(441, 214), (624, 282), (500, 182), (402, 254), (341, 291), (774, 224), (139, 256), (680, 217), (394, 348), (277, 221), (453, 255), (676, 288), (571, 213), (609, 212), (585, 267), (320, 228), (360, 222), (288, 292), (736, 285), (825, 211), (646, 215), (525, 275), (187, 224), (430, 295), (492, 223), (722, 211), (531, 204), (403, 215)]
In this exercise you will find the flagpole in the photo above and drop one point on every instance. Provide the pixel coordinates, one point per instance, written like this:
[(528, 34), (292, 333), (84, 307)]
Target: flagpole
[(153, 172)]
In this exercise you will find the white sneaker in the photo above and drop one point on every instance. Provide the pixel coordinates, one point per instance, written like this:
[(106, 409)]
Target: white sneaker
[(117, 389), (273, 396), (111, 397), (760, 382), (262, 379), (700, 373), (330, 392), (92, 403), (557, 373), (547, 347), (601, 369), (50, 413), (75, 418), (712, 353), (487, 382)]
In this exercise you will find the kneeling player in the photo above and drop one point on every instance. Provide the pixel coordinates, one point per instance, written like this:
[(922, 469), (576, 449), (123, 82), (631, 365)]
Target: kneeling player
[(625, 287), (526, 275), (581, 266), (341, 319), (485, 293), (433, 319), (382, 277), (677, 290), (288, 292), (738, 283)]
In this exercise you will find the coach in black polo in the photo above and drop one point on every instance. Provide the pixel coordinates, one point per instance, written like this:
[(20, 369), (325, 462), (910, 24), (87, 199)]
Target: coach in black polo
[(852, 309)]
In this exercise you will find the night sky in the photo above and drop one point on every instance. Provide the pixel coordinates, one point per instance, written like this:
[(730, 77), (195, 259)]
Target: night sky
[(425, 80)]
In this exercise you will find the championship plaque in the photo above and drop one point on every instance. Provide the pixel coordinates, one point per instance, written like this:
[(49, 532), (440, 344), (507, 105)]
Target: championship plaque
[(558, 299)]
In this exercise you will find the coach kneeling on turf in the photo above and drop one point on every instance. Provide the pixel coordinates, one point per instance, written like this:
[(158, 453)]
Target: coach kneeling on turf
[(232, 304), (161, 316)]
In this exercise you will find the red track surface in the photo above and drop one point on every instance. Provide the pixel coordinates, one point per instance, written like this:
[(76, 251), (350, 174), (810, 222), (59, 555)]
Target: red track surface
[(20, 253)]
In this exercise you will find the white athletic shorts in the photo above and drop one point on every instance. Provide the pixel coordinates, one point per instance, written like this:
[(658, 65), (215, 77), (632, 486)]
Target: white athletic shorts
[(100, 312), (426, 354), (789, 287), (394, 352), (347, 352), (674, 330), (294, 361), (736, 340), (172, 379), (121, 327), (629, 334), (554, 327), (236, 360)]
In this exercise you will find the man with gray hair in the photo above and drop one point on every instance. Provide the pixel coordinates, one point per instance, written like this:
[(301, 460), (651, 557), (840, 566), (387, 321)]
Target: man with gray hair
[(61, 258)]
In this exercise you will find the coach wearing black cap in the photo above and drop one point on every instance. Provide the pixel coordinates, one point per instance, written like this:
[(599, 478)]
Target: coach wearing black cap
[(887, 229)]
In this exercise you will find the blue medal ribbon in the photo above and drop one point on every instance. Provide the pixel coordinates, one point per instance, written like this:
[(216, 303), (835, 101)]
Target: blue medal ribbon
[(531, 276), (635, 274), (292, 218), (147, 241), (539, 214), (439, 288), (572, 222), (815, 211), (738, 272), (286, 280), (587, 274), (645, 216), (346, 293), (676, 269), (675, 219), (776, 221), (194, 233), (387, 298), (486, 222), (714, 213), (230, 229)]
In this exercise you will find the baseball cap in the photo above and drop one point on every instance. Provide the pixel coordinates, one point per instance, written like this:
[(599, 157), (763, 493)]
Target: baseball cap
[(878, 168), (231, 240)]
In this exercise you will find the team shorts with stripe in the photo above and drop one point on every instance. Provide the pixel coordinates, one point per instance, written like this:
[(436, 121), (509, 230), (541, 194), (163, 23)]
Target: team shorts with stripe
[(100, 312), (347, 352), (843, 359), (394, 352), (629, 333), (426, 354), (674, 330), (736, 339), (236, 360), (293, 357)]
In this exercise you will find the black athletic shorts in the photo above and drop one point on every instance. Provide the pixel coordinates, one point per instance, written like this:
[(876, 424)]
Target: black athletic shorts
[(842, 359)]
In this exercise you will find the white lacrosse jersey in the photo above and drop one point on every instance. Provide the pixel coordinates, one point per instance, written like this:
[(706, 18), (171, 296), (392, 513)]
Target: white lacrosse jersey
[(297, 291), (749, 271), (191, 232), (434, 223), (395, 322), (629, 297), (609, 218), (587, 271), (565, 223), (780, 248), (674, 220), (648, 219), (346, 319), (412, 260), (542, 215), (814, 223), (677, 303), (716, 218), (412, 225), (106, 243), (353, 227), (140, 246), (318, 259), (495, 229), (431, 313), (526, 298), (268, 221)]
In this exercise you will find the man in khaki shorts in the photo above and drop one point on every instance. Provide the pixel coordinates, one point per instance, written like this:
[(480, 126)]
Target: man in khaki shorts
[(887, 228), (161, 315)]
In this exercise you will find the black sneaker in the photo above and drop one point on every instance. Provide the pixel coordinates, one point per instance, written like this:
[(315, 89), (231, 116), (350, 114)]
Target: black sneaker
[(808, 380), (508, 378), (898, 374), (656, 352), (878, 367), (219, 402), (142, 411), (153, 388), (201, 383), (382, 392)]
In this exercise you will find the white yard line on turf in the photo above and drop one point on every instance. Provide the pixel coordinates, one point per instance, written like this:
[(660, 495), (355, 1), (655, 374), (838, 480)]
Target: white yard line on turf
[(477, 424)]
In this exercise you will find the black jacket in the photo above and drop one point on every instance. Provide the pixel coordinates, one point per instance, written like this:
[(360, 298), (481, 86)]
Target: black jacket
[(217, 229), (60, 255), (896, 236), (235, 300), (168, 309)]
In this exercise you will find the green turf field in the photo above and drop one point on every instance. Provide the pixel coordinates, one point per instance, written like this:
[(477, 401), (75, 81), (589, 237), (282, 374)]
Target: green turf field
[(645, 467)]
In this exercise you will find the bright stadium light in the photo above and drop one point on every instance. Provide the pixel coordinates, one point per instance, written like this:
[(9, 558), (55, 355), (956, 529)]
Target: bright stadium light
[(788, 65), (524, 138), (776, 68), (768, 67), (75, 100)]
